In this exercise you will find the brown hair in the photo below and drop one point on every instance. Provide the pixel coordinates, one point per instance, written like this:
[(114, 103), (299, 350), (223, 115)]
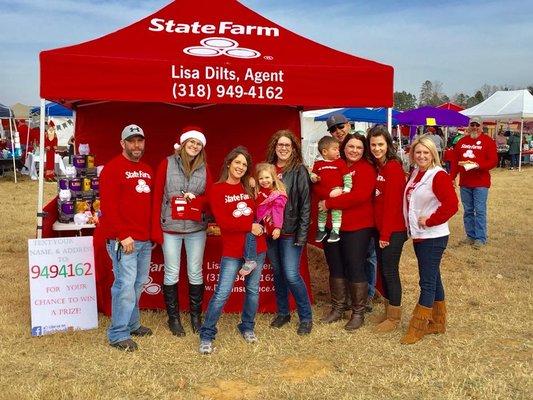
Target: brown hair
[(277, 184), (381, 130), (359, 137), (232, 155), (296, 154), (326, 142), (190, 164)]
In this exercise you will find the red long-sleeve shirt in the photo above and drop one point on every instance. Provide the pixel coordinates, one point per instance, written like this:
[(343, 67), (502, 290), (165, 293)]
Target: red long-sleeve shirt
[(357, 205), (126, 199), (388, 200), (159, 190), (331, 174), (234, 212), (481, 150)]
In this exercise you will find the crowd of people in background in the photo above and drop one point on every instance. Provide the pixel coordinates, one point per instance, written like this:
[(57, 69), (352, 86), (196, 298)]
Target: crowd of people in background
[(368, 207)]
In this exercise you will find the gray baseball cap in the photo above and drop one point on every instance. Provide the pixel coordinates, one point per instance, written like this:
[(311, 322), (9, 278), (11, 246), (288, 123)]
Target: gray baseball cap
[(130, 131), (336, 119)]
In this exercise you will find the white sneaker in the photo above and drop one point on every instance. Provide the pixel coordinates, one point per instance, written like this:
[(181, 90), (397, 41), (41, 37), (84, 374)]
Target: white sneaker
[(249, 337), (206, 347)]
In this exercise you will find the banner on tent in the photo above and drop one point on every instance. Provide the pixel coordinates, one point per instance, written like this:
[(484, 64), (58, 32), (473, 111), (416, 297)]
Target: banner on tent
[(62, 285)]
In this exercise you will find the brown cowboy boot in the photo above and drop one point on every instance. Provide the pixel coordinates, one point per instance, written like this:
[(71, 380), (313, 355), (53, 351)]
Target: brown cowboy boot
[(418, 325), (379, 318), (438, 325), (359, 292), (337, 286), (394, 316)]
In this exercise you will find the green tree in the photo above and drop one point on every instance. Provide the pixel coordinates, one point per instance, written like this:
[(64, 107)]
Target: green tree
[(404, 100), (426, 93), (460, 99), (479, 97)]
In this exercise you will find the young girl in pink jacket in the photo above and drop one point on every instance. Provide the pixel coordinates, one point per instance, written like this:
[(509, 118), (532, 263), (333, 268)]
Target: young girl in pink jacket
[(271, 199)]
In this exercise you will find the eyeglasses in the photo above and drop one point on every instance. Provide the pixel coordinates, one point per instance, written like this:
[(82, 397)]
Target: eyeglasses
[(335, 127), (283, 145)]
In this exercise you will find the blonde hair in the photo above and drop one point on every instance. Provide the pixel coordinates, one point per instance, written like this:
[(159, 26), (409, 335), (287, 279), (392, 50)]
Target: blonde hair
[(428, 143), (190, 164), (277, 184)]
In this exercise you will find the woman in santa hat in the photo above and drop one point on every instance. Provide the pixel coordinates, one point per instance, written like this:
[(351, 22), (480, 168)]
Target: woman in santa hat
[(50, 145), (180, 197)]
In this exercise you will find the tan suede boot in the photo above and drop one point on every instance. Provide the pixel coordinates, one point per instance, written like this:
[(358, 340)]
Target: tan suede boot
[(379, 318), (394, 316), (337, 287), (438, 325), (418, 327)]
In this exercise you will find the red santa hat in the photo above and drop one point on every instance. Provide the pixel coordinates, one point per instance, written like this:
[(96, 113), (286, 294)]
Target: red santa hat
[(190, 132)]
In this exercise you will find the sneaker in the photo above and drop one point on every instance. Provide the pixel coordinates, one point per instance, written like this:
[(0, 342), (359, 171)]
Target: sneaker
[(280, 320), (478, 244), (249, 337), (125, 345), (247, 267), (320, 235), (206, 347), (142, 331), (304, 328), (333, 237), (467, 241)]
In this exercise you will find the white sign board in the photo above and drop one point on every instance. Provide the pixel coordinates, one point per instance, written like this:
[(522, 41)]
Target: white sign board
[(62, 284)]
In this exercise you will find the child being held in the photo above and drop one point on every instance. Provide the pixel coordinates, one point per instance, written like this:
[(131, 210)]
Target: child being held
[(271, 198), (332, 179)]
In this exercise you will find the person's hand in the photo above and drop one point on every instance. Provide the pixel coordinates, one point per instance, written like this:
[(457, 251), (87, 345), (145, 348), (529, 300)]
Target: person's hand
[(275, 233), (257, 229), (251, 182), (128, 245), (189, 196), (314, 177), (383, 244), (335, 192), (422, 222), (322, 205)]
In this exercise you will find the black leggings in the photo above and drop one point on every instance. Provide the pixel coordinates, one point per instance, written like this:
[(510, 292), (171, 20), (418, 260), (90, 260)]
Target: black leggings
[(346, 258), (388, 263)]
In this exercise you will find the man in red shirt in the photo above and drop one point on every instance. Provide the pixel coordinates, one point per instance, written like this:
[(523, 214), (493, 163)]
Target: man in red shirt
[(475, 156), (125, 200)]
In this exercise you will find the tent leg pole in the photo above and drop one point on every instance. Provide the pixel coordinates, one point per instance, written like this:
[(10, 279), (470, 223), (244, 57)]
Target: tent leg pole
[(520, 154), (40, 194), (13, 148), (389, 119)]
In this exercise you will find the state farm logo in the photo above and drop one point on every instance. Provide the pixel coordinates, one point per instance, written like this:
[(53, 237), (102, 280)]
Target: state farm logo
[(242, 209), (150, 287), (218, 46), (469, 154), (142, 187)]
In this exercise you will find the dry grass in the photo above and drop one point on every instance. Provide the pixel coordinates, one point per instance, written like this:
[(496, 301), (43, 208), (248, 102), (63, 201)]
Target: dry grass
[(486, 353)]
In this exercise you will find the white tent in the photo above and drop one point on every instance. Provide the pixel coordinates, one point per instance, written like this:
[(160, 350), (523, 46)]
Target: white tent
[(512, 104)]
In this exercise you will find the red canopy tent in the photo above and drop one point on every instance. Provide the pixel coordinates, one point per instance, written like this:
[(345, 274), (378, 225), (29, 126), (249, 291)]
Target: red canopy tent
[(451, 106), (218, 65)]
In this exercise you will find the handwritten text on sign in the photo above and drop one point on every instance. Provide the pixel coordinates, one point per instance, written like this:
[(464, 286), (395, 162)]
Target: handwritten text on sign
[(62, 284)]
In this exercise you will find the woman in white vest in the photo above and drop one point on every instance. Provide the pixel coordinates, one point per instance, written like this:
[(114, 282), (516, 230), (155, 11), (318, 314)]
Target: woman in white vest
[(180, 197), (429, 202)]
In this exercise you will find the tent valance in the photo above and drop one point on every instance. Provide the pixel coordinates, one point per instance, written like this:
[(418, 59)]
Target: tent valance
[(372, 115)]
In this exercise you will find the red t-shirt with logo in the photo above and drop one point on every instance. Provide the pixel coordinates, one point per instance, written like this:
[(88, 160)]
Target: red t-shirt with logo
[(234, 212), (331, 174), (126, 199), (481, 150)]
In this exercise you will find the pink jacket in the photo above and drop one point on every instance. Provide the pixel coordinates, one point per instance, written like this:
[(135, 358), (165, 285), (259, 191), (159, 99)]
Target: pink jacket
[(271, 209)]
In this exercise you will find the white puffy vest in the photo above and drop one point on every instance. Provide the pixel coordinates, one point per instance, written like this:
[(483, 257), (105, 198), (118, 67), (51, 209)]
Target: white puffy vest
[(423, 202)]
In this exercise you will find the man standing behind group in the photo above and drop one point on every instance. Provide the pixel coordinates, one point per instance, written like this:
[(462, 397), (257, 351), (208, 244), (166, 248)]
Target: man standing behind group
[(125, 195), (338, 126), (475, 156)]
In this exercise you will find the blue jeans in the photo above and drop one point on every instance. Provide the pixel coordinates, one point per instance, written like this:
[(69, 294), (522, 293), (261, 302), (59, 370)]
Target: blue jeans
[(194, 249), (429, 255), (514, 160), (250, 247), (475, 212), (371, 263), (131, 273), (285, 258), (229, 268)]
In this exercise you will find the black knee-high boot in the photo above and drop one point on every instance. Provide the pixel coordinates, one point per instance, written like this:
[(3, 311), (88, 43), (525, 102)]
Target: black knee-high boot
[(196, 294), (170, 293)]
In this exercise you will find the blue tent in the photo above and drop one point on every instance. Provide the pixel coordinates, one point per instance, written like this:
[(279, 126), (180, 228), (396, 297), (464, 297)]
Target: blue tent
[(5, 112), (373, 115), (52, 110)]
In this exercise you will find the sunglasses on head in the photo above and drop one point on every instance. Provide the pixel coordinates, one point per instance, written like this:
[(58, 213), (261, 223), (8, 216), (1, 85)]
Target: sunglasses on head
[(474, 124), (335, 127)]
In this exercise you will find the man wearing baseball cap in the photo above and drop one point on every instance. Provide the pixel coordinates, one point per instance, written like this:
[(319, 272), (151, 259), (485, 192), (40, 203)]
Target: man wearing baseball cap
[(125, 198), (475, 156), (338, 126)]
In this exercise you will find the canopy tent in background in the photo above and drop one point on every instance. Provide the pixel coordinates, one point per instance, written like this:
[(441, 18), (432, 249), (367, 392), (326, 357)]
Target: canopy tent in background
[(21, 111), (5, 111), (505, 105), (62, 117), (236, 74), (52, 109), (432, 116), (371, 115), (312, 131), (14, 150), (451, 106)]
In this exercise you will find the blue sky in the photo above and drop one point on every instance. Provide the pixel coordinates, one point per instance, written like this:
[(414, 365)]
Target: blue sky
[(463, 44)]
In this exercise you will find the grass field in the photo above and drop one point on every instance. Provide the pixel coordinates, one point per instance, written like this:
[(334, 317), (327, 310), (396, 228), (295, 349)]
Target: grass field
[(487, 352)]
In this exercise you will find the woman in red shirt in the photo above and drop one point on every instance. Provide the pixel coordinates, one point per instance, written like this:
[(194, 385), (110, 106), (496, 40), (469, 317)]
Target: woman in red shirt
[(346, 258), (429, 202), (390, 224), (233, 206)]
